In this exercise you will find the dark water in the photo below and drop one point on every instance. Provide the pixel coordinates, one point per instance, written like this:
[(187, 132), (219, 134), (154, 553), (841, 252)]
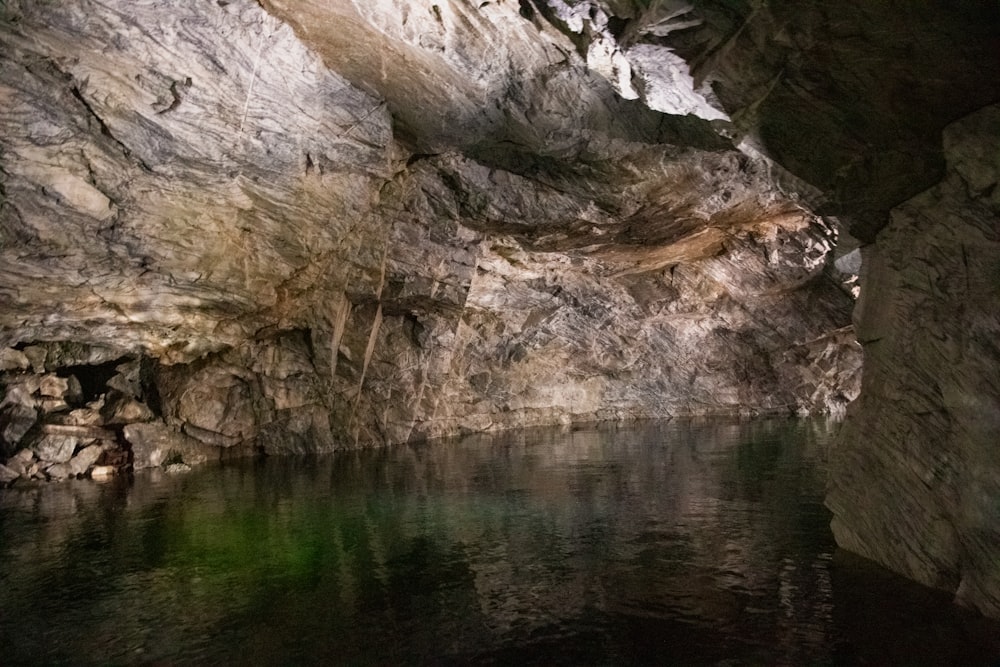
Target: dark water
[(675, 544)]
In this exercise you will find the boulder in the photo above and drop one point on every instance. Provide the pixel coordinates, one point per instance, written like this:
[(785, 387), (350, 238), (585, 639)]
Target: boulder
[(154, 444), (103, 472), (86, 416), (21, 391), (53, 386), (56, 448), (58, 393), (36, 357), (60, 471), (13, 360), (121, 408), (220, 405), (128, 379), (52, 406), (21, 462), (74, 391), (85, 458), (15, 422), (7, 475)]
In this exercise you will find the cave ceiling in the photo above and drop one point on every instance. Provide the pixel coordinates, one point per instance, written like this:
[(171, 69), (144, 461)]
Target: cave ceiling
[(475, 214)]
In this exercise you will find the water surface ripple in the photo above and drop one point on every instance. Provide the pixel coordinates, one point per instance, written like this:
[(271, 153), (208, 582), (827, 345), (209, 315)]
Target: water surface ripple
[(680, 543)]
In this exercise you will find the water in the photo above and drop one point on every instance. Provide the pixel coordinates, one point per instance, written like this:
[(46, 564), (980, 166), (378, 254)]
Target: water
[(685, 543)]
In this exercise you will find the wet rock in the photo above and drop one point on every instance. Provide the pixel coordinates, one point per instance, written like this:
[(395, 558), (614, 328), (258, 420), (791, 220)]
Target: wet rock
[(7, 475), (21, 462), (85, 458), (114, 455), (56, 448), (103, 472), (154, 444), (60, 471), (579, 256)]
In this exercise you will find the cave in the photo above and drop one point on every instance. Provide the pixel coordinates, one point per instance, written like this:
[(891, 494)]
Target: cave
[(294, 228)]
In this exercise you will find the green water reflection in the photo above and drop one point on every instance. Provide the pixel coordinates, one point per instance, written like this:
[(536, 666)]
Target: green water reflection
[(677, 543)]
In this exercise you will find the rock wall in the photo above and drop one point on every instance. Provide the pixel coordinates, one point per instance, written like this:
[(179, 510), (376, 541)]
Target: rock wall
[(914, 476), (308, 248)]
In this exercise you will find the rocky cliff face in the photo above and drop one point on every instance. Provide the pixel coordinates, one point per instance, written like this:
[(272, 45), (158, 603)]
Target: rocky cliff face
[(916, 470), (488, 237), (282, 226)]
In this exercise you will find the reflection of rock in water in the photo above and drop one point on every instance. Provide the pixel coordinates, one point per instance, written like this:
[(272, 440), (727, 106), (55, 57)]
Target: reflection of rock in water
[(695, 540)]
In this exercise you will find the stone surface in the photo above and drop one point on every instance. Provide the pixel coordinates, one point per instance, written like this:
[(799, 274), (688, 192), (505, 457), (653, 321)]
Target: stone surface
[(121, 409), (36, 357), (21, 462), (7, 475), (85, 458), (155, 444), (15, 422), (56, 448), (53, 386), (13, 360), (87, 416), (60, 471), (103, 472), (922, 442), (561, 254), (250, 132)]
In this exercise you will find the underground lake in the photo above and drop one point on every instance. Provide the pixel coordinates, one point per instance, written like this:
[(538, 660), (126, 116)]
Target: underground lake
[(689, 542)]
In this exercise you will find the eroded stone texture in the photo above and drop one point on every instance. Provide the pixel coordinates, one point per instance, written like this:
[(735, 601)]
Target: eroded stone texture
[(682, 307), (154, 445), (173, 189), (489, 237), (915, 481), (849, 96)]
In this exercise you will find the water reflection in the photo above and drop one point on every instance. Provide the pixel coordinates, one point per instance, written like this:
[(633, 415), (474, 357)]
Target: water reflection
[(678, 543)]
